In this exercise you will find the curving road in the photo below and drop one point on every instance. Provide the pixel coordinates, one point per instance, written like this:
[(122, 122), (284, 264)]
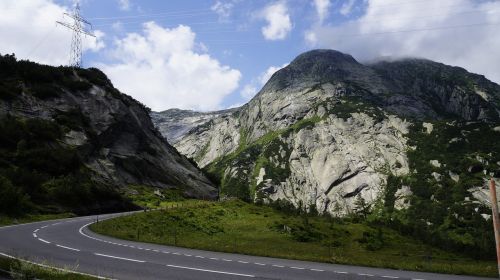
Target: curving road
[(69, 243)]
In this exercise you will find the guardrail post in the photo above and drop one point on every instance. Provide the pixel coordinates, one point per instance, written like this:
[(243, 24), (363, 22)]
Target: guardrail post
[(496, 219)]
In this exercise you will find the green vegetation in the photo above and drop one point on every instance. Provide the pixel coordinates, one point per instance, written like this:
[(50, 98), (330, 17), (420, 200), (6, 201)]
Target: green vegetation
[(43, 81), (26, 271), (249, 158), (40, 176), (30, 218), (148, 197), (442, 212), (236, 226)]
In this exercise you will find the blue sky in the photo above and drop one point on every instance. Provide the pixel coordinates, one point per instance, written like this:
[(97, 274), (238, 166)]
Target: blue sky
[(235, 39), (214, 54)]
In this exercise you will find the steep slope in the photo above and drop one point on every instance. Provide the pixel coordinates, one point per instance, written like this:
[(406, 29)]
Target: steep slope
[(175, 123), (68, 136), (327, 128), (412, 141)]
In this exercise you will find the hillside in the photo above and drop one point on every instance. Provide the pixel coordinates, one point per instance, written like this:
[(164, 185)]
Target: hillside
[(70, 141), (411, 141)]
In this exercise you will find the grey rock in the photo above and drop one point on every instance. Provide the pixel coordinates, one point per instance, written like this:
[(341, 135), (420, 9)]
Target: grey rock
[(359, 116), (120, 145)]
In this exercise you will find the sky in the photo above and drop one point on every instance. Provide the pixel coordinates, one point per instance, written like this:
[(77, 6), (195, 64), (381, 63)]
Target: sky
[(214, 54)]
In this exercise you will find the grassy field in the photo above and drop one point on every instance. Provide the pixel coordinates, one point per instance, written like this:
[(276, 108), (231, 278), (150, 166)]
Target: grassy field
[(239, 227), (29, 218), (23, 270)]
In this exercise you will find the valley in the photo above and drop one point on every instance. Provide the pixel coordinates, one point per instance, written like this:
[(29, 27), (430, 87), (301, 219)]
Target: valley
[(333, 162)]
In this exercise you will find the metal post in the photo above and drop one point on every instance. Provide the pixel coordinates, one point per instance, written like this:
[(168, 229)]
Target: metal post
[(496, 219), (175, 236)]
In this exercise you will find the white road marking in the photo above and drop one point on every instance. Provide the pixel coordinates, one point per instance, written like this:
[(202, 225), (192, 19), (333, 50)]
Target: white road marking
[(201, 257), (294, 267), (69, 248), (212, 271), (36, 230), (281, 266), (390, 277), (341, 272), (215, 259), (259, 263), (226, 260), (364, 274), (165, 252), (34, 235), (157, 251), (119, 258), (315, 269), (44, 226), (187, 255), (175, 253), (44, 241)]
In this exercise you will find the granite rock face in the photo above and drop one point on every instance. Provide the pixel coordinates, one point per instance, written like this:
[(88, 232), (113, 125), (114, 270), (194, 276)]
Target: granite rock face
[(326, 129), (112, 132)]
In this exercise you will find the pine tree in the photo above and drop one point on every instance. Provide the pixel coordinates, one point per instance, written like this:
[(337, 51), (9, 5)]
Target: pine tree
[(361, 208)]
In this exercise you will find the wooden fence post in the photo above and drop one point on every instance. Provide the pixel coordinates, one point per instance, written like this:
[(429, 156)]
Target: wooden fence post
[(496, 219)]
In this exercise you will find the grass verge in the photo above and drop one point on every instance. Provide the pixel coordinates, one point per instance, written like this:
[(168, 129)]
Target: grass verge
[(17, 269), (238, 227), (6, 220)]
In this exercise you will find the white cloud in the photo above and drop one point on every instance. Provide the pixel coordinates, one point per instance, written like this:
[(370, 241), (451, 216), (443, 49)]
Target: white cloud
[(223, 9), (322, 7), (251, 89), (124, 5), (347, 7), (399, 29), (278, 20), (266, 75), (28, 29), (248, 91), (161, 68)]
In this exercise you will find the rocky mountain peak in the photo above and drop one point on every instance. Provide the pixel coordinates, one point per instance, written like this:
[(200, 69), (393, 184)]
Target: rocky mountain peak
[(323, 57), (323, 66)]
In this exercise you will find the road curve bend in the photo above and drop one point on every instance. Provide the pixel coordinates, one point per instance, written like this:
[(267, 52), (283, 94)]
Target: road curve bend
[(68, 243)]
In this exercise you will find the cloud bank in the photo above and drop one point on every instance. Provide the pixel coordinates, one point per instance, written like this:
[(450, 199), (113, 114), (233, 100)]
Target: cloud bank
[(161, 67), (456, 32)]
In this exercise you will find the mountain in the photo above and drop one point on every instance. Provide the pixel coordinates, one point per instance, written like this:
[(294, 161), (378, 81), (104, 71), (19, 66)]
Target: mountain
[(175, 123), (412, 140), (70, 141)]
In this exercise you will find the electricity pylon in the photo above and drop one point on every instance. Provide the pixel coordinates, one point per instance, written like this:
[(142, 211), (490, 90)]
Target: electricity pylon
[(78, 26)]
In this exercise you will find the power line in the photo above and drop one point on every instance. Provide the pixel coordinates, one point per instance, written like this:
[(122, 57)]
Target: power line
[(179, 13), (396, 18), (39, 43), (423, 29), (78, 27)]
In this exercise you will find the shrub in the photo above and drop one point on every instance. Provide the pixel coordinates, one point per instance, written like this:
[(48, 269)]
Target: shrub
[(12, 200)]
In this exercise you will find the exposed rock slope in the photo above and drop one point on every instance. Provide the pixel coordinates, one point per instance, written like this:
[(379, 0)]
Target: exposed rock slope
[(112, 134), (327, 130), (175, 123)]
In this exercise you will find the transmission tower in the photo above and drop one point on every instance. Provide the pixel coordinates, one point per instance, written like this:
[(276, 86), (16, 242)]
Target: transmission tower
[(79, 26)]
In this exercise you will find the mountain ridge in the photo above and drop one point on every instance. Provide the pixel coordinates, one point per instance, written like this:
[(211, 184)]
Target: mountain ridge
[(312, 89), (110, 137)]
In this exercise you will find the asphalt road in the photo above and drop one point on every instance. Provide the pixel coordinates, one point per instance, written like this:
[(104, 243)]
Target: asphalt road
[(69, 244)]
